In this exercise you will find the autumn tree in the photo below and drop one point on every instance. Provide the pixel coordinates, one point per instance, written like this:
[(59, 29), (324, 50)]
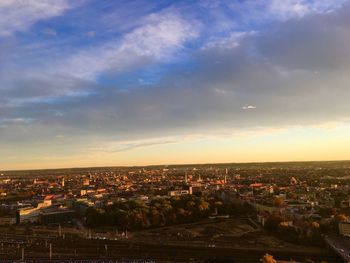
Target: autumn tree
[(341, 217), (278, 201), (268, 259)]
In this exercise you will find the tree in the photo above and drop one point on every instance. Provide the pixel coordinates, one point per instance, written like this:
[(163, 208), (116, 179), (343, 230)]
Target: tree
[(268, 259), (93, 217), (273, 222), (203, 205), (341, 217), (315, 225), (190, 205), (278, 201)]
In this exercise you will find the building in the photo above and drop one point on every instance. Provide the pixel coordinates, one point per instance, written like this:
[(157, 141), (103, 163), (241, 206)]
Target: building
[(56, 216), (28, 215), (180, 192), (344, 228), (7, 220)]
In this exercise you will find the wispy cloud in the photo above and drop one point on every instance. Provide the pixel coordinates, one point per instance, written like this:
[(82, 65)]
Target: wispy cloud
[(16, 15), (123, 146), (288, 9), (16, 121), (160, 36), (129, 145)]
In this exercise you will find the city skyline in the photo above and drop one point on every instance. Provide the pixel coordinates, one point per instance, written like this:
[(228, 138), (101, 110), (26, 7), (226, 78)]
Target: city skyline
[(88, 83)]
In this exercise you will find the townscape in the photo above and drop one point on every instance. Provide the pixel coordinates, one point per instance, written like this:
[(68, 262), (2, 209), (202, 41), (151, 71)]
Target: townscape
[(145, 131), (294, 211)]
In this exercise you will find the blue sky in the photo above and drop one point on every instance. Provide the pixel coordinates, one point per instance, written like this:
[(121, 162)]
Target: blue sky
[(117, 78)]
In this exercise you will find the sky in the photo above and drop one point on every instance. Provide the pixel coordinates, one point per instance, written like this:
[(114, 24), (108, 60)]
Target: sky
[(143, 82)]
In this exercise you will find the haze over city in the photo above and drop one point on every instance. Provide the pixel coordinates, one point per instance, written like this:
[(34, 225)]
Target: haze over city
[(102, 83)]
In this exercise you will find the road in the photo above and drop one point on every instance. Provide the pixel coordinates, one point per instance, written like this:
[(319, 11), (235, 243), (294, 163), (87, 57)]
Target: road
[(340, 245)]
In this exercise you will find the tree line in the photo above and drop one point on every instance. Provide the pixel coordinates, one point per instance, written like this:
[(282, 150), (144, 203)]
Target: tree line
[(160, 212)]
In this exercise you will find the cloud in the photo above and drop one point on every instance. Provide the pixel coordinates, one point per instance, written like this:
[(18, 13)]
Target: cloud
[(90, 34), (321, 46), (231, 41), (249, 107), (16, 15), (210, 95), (6, 121), (201, 84), (50, 32), (123, 146), (161, 35), (158, 40), (219, 134), (288, 9)]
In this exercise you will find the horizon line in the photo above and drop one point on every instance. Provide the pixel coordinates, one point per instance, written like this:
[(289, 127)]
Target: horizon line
[(175, 164)]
